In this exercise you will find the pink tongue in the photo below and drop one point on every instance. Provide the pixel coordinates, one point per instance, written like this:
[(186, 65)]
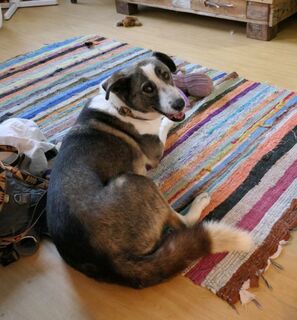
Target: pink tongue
[(179, 115)]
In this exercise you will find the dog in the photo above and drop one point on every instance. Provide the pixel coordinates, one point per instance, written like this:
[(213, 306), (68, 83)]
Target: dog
[(106, 218)]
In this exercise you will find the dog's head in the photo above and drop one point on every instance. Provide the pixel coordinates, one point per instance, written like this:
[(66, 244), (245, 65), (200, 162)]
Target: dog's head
[(147, 87)]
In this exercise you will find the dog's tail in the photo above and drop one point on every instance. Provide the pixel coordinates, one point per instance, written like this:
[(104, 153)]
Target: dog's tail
[(179, 250)]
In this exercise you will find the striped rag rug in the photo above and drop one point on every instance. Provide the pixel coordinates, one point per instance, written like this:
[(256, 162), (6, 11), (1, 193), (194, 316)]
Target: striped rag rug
[(238, 144)]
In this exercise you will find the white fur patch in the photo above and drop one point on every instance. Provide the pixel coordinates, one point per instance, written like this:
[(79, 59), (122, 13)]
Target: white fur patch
[(227, 238), (120, 181), (167, 93), (166, 125), (110, 106)]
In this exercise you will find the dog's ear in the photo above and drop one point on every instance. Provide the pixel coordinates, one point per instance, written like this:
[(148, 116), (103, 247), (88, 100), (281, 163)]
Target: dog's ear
[(166, 60), (118, 83)]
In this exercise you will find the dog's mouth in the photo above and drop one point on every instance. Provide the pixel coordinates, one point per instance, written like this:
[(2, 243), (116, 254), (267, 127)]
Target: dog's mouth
[(177, 117)]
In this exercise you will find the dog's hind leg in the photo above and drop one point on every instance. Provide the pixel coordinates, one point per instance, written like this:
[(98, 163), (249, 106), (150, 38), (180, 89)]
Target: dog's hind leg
[(194, 213)]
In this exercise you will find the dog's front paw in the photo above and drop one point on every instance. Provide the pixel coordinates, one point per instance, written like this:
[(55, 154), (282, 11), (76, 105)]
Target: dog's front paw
[(199, 203), (202, 200)]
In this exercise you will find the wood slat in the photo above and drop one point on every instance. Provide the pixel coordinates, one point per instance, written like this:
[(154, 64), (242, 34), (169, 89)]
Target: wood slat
[(258, 11), (231, 8), (282, 9)]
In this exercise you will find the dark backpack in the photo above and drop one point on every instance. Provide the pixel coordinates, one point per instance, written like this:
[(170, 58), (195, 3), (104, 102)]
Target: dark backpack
[(22, 208)]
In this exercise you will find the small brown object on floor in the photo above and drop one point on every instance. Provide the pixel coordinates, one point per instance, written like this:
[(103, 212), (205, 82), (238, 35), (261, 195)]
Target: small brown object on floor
[(91, 44), (129, 21)]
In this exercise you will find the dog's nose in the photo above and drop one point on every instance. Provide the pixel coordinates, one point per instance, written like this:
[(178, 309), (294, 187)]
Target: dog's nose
[(178, 104)]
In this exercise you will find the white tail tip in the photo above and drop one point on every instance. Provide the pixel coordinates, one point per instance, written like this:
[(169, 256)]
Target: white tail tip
[(227, 238)]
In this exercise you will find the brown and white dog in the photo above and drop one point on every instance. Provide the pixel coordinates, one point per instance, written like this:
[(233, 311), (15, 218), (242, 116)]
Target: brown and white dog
[(105, 216)]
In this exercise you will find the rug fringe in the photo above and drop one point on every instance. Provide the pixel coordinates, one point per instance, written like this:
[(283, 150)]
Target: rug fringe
[(250, 278), (244, 294)]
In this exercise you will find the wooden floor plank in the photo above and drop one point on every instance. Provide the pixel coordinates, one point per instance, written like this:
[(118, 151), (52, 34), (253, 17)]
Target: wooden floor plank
[(42, 287)]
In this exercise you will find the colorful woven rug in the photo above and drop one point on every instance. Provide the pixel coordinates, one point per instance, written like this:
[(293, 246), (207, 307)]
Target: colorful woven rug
[(238, 144)]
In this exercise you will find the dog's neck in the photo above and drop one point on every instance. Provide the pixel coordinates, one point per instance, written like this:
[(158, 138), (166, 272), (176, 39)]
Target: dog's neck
[(144, 123), (126, 111)]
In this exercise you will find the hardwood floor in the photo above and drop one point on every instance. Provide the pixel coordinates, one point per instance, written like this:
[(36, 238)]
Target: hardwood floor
[(42, 287)]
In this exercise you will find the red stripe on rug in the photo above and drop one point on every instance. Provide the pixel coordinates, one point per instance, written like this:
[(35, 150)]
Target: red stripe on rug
[(200, 271), (255, 215)]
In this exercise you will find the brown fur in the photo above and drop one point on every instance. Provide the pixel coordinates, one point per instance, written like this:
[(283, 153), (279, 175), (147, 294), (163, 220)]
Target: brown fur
[(129, 22), (110, 221)]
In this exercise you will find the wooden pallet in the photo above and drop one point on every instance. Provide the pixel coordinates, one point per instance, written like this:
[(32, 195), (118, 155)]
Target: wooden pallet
[(261, 16)]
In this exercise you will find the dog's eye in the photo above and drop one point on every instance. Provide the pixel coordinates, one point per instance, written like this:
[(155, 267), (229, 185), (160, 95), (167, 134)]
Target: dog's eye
[(148, 88), (166, 75), (158, 70)]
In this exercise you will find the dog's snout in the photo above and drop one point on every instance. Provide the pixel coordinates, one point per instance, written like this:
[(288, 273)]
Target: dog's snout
[(178, 104)]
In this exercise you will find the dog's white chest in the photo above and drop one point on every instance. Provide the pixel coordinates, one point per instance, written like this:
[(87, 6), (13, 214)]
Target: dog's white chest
[(146, 126), (142, 126)]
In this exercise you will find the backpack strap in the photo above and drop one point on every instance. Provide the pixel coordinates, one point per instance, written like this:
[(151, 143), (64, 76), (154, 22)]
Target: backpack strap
[(20, 174), (26, 242), (39, 210), (11, 149), (12, 247)]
